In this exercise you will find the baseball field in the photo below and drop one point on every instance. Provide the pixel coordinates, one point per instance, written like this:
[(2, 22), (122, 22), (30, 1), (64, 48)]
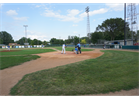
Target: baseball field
[(48, 72)]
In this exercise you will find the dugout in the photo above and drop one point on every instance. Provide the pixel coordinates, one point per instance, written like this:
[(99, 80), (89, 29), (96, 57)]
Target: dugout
[(120, 42), (101, 45), (130, 47)]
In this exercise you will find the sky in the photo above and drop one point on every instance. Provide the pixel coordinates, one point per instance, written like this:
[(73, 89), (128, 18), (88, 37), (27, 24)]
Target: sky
[(55, 20)]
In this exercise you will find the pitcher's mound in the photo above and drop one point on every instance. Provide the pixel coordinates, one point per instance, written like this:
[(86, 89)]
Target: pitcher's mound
[(87, 55)]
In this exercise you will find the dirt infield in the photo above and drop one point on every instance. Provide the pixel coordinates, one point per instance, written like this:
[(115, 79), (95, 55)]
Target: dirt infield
[(10, 76)]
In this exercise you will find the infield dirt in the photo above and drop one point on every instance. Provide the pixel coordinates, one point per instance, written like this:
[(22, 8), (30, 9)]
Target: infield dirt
[(10, 76)]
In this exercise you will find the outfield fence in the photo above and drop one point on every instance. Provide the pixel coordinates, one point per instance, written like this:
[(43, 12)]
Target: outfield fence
[(130, 47), (23, 46), (106, 46)]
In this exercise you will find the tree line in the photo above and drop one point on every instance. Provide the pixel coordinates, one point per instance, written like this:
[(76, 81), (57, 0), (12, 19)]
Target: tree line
[(6, 38), (110, 29), (113, 29), (30, 41)]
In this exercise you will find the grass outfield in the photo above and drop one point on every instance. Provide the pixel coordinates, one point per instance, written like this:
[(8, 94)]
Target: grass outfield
[(16, 60), (27, 51), (113, 71), (7, 60), (70, 49)]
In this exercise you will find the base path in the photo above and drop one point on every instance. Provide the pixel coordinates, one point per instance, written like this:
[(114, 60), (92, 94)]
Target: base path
[(10, 76)]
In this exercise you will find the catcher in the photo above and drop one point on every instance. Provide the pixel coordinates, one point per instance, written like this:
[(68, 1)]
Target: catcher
[(76, 50)]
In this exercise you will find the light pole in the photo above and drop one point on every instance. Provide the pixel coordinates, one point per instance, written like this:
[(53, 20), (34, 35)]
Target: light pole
[(88, 22), (25, 33), (124, 23), (79, 38)]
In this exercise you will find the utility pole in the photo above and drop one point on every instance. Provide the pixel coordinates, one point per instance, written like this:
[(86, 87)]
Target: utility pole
[(124, 22), (79, 38), (25, 34)]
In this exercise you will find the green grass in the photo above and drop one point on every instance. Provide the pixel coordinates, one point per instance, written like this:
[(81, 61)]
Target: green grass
[(7, 60), (113, 71), (15, 60), (27, 52), (70, 49)]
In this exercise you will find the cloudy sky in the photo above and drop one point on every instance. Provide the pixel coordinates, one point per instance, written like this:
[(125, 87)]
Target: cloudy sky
[(55, 20)]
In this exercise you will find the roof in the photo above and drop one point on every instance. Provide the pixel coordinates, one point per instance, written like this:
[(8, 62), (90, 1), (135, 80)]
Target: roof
[(120, 40), (13, 44)]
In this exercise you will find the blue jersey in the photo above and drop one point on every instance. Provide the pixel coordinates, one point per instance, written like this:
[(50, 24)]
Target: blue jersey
[(76, 49), (79, 45)]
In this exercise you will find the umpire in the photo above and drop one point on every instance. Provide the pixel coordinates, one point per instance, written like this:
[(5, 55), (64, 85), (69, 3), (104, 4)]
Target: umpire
[(79, 47)]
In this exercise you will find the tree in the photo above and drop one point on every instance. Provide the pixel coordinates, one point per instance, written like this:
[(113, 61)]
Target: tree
[(1, 41), (53, 40), (56, 41), (61, 41), (6, 38), (44, 43), (96, 36), (39, 42), (83, 41), (76, 40), (32, 42), (29, 40), (35, 41), (69, 40), (21, 41), (137, 34), (113, 27), (87, 39)]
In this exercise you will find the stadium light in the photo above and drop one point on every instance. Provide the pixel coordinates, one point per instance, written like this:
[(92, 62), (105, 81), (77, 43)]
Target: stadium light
[(25, 33)]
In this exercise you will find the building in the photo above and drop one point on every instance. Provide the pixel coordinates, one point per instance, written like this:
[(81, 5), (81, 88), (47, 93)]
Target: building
[(120, 42), (13, 45), (1, 45)]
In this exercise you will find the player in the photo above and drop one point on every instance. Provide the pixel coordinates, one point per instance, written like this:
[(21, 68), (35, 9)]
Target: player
[(79, 47), (104, 46), (63, 49), (42, 46), (8, 48), (76, 50)]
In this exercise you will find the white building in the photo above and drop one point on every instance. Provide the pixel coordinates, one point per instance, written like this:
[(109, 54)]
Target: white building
[(120, 42)]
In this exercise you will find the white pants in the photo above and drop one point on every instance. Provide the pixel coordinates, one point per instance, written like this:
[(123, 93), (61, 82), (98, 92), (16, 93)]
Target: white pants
[(63, 50), (8, 49), (75, 52)]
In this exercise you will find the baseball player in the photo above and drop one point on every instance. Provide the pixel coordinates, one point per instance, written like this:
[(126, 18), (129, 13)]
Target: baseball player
[(79, 47), (8, 47), (76, 50), (63, 49)]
